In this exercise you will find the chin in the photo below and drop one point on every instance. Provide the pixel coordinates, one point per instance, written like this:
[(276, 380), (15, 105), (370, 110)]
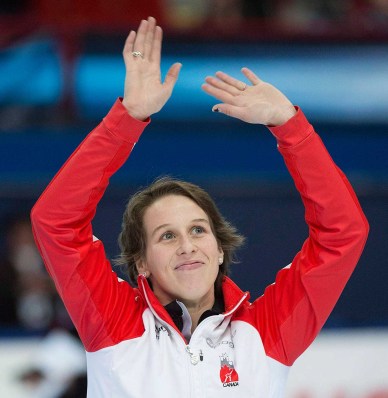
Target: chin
[(194, 294)]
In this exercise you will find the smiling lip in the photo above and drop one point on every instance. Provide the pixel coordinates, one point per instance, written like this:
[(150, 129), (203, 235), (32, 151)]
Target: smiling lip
[(189, 265)]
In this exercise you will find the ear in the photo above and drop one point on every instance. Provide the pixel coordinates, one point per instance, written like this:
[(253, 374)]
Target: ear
[(141, 266), (221, 256)]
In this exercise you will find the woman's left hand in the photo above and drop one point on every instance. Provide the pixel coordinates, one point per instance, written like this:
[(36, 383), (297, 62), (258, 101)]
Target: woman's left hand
[(259, 103)]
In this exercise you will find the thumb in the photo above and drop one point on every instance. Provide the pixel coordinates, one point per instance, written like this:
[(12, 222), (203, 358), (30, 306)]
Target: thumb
[(172, 75)]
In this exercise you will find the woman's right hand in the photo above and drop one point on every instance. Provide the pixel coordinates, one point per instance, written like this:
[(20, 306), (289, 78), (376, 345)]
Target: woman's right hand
[(144, 91)]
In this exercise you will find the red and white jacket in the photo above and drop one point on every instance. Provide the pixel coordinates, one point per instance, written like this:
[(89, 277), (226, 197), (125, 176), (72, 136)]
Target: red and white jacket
[(133, 347)]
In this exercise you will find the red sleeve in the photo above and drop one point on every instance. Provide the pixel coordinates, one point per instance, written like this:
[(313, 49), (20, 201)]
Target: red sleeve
[(101, 307), (293, 310)]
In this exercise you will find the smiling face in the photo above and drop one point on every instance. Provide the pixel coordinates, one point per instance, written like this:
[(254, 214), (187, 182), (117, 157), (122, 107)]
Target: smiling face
[(182, 254)]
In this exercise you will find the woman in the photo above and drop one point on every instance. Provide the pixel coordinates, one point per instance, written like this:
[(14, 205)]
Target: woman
[(187, 329)]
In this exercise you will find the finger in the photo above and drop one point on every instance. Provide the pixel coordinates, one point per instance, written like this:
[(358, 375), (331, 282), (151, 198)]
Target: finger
[(140, 36), (218, 93), (222, 85), (251, 76), (130, 40), (128, 46), (230, 110), (172, 75), (149, 37), (157, 45), (238, 84)]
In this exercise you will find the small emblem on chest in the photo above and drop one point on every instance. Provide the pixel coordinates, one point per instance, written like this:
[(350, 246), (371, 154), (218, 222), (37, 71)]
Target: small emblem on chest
[(228, 374)]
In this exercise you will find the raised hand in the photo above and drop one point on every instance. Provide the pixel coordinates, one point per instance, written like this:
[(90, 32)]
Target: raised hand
[(144, 91), (259, 103)]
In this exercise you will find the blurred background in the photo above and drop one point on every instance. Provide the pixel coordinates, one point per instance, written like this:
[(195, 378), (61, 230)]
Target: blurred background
[(60, 71)]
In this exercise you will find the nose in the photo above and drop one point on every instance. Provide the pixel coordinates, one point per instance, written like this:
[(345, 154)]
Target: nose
[(186, 246)]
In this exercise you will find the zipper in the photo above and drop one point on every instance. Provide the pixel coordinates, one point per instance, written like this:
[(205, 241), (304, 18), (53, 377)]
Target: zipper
[(194, 358)]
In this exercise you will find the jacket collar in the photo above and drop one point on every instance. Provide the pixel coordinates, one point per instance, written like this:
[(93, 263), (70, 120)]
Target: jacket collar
[(234, 297), (153, 303)]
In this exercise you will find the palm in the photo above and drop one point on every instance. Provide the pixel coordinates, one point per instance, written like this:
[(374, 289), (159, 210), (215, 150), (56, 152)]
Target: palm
[(147, 91), (259, 103)]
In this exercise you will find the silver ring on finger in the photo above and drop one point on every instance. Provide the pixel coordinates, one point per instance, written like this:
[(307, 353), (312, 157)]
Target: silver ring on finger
[(137, 54), (244, 87)]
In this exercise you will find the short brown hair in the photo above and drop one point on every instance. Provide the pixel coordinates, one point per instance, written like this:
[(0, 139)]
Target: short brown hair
[(132, 239)]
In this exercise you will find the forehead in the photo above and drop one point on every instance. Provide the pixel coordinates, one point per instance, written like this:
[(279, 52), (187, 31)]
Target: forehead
[(172, 208)]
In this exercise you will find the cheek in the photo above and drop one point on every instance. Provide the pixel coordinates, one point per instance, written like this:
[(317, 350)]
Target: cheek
[(158, 259), (214, 250)]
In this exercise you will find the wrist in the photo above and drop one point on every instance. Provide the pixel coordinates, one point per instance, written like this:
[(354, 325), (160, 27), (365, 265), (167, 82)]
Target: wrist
[(294, 131), (135, 111), (284, 115)]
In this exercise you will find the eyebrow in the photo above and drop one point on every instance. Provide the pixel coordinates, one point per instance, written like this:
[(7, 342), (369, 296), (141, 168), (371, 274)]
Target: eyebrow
[(158, 228)]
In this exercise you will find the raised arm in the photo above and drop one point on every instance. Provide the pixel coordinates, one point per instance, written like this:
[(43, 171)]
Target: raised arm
[(293, 310), (63, 214)]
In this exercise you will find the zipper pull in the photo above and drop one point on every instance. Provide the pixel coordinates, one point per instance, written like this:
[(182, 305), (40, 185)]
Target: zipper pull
[(194, 359), (200, 355)]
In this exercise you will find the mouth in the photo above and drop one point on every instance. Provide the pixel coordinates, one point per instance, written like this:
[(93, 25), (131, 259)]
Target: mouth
[(189, 265)]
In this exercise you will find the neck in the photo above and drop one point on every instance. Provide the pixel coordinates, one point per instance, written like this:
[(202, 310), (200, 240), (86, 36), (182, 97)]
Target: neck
[(197, 308)]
